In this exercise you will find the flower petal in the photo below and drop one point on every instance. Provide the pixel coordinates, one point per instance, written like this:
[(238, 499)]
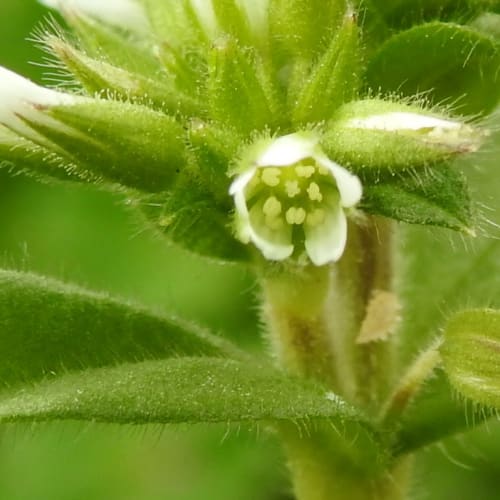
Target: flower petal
[(275, 244), (121, 13), (349, 185), (287, 150), (399, 121), (326, 242), (19, 97)]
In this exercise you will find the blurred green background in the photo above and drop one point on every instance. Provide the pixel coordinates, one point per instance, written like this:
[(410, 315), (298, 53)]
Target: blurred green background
[(87, 236)]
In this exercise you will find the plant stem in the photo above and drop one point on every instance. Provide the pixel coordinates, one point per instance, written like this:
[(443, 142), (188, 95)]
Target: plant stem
[(334, 324), (323, 468), (295, 301)]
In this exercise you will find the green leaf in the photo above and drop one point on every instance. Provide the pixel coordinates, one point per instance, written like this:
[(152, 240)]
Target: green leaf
[(48, 327), (435, 196), (435, 414), (187, 390), (401, 13), (471, 355), (453, 65)]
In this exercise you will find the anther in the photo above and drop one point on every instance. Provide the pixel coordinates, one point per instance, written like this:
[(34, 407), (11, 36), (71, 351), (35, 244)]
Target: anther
[(314, 192), (270, 176), (305, 170), (292, 188), (295, 215), (272, 207)]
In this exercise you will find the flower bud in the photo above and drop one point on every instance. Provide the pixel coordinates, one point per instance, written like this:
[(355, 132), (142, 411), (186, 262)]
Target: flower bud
[(120, 142), (471, 355), (373, 133)]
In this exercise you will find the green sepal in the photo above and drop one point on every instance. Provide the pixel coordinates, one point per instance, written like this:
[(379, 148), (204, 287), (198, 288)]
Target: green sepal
[(181, 41), (359, 147), (191, 218), (98, 76), (232, 20), (304, 28), (451, 64), (184, 390), (120, 142), (333, 80), (119, 48), (50, 328), (240, 89), (175, 22), (18, 154), (437, 196), (214, 149), (471, 355)]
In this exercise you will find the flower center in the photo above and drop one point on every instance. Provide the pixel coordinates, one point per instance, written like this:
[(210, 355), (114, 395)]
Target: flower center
[(294, 196)]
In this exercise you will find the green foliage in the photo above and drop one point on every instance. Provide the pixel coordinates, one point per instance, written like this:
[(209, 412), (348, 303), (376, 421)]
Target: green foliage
[(48, 328), (187, 390), (471, 355), (436, 196), (435, 414), (442, 62)]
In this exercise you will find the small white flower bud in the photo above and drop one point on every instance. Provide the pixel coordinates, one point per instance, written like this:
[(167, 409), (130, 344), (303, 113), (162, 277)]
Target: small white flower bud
[(126, 14)]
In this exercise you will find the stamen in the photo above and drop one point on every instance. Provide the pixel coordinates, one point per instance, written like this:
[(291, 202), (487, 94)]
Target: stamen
[(316, 217), (295, 215), (305, 170), (314, 192), (292, 188), (270, 176), (272, 207)]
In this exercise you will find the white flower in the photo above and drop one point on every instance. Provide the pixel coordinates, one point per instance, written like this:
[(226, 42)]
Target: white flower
[(127, 14), (22, 99), (293, 196)]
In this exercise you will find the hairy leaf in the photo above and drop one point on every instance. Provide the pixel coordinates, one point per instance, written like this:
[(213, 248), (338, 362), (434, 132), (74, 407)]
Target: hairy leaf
[(436, 196), (176, 390), (453, 65), (435, 414), (48, 327)]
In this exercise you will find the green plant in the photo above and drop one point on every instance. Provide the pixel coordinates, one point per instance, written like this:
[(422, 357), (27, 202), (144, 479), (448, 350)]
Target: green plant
[(292, 137)]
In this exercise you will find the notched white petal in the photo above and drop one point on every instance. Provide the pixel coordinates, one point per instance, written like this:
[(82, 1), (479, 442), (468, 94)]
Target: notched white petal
[(326, 242), (287, 150), (349, 185)]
